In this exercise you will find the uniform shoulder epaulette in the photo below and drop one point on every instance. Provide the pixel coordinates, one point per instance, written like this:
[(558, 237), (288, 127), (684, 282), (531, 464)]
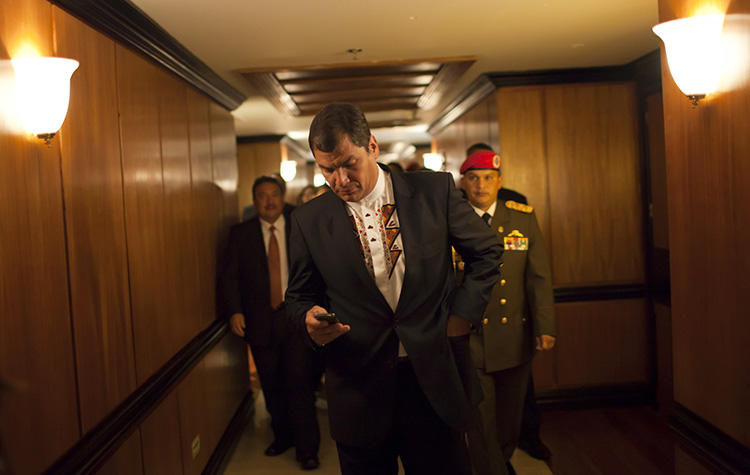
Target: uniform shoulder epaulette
[(519, 207)]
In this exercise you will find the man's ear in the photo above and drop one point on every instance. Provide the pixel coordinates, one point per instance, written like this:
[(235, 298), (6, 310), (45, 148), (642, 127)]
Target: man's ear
[(373, 148)]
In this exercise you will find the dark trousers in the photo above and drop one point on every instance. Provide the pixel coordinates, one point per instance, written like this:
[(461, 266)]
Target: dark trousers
[(531, 420), (501, 412), (285, 372), (425, 444)]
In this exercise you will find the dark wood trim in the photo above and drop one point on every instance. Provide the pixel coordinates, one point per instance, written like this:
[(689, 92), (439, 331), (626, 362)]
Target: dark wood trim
[(475, 93), (220, 456), (99, 443), (600, 292), (713, 445), (129, 25), (593, 397), (243, 139), (560, 76), (659, 280)]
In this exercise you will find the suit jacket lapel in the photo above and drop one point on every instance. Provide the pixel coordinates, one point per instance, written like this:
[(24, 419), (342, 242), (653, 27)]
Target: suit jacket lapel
[(500, 218), (409, 239)]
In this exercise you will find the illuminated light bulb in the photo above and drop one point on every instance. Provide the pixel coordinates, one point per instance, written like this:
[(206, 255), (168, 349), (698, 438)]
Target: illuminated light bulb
[(319, 179), (288, 170), (433, 161), (694, 53), (43, 86)]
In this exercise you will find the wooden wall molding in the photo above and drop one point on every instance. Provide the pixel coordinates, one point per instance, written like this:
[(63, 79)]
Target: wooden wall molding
[(600, 292), (220, 457), (719, 449), (593, 397), (645, 70), (99, 443), (244, 139), (129, 25)]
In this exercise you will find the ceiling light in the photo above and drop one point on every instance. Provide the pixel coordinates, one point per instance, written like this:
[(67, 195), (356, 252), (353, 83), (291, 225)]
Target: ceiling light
[(433, 161), (694, 49), (319, 180), (288, 170)]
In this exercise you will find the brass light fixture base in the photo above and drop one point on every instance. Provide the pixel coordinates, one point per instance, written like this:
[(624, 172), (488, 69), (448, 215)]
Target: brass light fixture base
[(46, 137), (694, 98)]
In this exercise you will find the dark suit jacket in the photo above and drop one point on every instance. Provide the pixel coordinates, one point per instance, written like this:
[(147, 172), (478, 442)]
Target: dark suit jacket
[(505, 194), (327, 269), (243, 283)]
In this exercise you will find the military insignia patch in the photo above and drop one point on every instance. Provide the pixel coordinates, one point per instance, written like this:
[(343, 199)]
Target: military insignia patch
[(519, 207), (515, 241)]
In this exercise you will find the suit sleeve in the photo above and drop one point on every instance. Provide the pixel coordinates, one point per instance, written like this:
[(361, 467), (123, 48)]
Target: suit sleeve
[(539, 283), (229, 300), (306, 287), (481, 253)]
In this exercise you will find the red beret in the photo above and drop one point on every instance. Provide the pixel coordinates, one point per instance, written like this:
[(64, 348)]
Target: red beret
[(481, 160)]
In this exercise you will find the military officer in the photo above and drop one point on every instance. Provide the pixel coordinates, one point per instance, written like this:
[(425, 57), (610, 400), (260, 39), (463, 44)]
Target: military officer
[(520, 315)]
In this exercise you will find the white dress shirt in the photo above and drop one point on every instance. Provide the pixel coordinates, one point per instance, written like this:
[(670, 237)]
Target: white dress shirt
[(280, 232), (490, 210)]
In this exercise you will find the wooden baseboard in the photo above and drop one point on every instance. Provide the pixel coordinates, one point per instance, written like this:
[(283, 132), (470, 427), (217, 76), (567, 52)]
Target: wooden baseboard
[(708, 442), (593, 397), (242, 417)]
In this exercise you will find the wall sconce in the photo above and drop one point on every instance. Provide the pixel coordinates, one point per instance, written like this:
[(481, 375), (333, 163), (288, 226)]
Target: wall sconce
[(288, 170), (433, 161), (43, 86), (694, 50)]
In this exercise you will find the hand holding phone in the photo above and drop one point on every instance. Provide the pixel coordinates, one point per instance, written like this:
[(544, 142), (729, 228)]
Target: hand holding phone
[(327, 317)]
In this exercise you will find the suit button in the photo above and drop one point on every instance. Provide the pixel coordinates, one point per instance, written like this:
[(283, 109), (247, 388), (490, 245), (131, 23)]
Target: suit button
[(504, 320), (502, 283), (486, 321), (503, 301), (523, 319)]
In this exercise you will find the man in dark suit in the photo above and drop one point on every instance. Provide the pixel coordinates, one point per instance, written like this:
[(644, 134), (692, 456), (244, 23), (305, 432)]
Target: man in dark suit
[(530, 440), (377, 253), (251, 289)]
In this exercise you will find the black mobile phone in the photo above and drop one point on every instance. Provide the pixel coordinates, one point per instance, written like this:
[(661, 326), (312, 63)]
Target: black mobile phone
[(327, 317)]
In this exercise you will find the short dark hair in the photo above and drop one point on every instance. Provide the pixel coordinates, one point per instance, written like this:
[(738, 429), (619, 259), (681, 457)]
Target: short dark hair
[(477, 147), (334, 121), (266, 179)]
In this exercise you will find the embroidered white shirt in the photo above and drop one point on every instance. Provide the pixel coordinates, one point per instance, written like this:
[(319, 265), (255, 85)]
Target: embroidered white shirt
[(280, 232), (379, 230)]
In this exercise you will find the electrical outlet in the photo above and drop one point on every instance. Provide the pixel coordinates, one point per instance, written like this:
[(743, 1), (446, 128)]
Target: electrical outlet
[(196, 447)]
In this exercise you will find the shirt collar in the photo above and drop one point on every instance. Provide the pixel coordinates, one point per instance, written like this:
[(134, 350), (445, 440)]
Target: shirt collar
[(371, 199), (278, 224), (490, 210)]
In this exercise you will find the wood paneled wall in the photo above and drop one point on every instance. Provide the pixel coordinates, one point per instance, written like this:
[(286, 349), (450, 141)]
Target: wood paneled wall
[(708, 175), (108, 253), (574, 151), (255, 160)]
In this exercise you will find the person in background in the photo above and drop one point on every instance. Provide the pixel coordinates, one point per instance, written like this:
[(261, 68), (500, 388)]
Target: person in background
[(307, 193), (249, 211), (251, 289), (530, 440), (520, 316), (376, 253)]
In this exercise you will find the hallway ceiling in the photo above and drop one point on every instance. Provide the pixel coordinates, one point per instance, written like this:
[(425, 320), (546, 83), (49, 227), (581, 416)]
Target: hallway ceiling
[(503, 35)]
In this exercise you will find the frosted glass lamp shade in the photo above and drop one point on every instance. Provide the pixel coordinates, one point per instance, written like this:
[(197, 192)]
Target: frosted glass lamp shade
[(319, 179), (43, 86), (694, 51)]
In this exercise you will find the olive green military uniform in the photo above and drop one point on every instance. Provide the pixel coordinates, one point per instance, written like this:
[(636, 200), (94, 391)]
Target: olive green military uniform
[(520, 308)]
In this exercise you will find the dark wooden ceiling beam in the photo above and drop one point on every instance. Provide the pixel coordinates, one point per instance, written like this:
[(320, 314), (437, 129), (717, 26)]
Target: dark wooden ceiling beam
[(267, 85), (358, 94)]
